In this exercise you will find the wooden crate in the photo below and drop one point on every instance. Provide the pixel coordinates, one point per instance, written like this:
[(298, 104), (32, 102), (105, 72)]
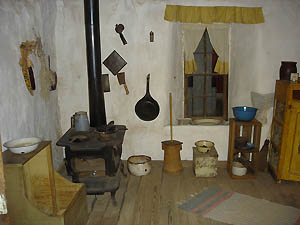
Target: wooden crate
[(38, 195), (249, 158), (205, 164)]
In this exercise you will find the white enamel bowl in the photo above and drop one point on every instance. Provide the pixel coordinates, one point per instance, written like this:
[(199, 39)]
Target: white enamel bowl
[(139, 165), (238, 169), (204, 146), (22, 145)]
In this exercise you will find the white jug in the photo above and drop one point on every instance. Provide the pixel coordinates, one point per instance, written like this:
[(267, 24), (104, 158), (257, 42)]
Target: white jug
[(81, 121)]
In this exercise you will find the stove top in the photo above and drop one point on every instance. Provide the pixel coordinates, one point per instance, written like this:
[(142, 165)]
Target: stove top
[(92, 140)]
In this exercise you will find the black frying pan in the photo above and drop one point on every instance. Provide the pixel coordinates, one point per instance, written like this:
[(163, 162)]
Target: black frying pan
[(147, 108)]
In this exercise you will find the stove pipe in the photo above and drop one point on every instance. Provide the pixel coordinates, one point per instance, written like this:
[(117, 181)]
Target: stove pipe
[(93, 54)]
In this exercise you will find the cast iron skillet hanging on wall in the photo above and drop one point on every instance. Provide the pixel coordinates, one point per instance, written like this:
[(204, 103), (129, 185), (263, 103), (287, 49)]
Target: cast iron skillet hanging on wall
[(147, 108)]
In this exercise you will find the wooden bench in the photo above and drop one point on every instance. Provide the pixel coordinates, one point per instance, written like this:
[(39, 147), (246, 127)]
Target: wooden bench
[(38, 195)]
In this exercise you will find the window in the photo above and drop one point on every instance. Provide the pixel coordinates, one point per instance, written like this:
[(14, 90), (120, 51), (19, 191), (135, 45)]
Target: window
[(206, 91)]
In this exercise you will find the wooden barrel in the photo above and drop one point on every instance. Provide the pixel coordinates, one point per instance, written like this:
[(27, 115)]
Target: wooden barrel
[(172, 160)]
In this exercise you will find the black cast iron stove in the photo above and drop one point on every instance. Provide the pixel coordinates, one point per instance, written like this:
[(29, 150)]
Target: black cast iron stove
[(101, 141), (89, 145)]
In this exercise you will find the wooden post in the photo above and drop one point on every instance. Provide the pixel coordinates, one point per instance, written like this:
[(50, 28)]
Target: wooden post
[(171, 127), (3, 217)]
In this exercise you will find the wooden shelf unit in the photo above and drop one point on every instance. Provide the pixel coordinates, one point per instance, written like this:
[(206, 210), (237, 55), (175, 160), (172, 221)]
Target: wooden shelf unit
[(248, 157), (37, 194), (284, 150)]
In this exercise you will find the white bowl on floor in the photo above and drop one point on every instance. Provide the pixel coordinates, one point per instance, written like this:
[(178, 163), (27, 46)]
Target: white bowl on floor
[(139, 165), (238, 169)]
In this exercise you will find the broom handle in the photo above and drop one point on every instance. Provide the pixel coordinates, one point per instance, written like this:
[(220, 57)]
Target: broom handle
[(171, 127)]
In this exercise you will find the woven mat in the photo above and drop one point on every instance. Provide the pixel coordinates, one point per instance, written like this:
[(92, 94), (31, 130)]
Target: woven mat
[(240, 209)]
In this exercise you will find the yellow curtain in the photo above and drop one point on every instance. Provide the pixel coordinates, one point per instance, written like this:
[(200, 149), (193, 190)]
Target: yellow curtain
[(192, 34), (217, 14), (218, 33)]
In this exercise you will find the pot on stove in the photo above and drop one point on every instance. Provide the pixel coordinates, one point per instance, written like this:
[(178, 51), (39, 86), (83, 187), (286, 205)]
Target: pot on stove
[(81, 121)]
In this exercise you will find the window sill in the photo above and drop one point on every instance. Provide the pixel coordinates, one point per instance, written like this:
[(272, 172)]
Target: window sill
[(202, 122), (225, 123)]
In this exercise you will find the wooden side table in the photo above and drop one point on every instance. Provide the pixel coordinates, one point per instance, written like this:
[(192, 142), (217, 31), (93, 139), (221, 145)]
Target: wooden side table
[(248, 157)]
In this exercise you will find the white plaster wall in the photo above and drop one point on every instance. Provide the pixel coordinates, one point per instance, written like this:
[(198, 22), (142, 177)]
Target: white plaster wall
[(256, 52), (23, 115)]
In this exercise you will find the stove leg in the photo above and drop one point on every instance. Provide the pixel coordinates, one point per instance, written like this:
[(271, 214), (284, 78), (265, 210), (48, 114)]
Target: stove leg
[(75, 179), (123, 170), (68, 168), (113, 198)]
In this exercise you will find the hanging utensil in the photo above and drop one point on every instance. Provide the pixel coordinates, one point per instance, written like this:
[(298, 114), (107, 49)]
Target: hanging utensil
[(119, 29), (121, 79), (26, 48), (52, 77), (31, 78), (114, 62), (105, 83), (147, 108)]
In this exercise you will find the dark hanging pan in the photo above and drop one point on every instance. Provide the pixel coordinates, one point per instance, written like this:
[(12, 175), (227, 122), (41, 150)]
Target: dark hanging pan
[(147, 108), (114, 62)]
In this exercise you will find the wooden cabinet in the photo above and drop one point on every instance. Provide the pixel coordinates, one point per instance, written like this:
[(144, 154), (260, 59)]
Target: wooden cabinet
[(37, 194), (284, 152), (248, 157)]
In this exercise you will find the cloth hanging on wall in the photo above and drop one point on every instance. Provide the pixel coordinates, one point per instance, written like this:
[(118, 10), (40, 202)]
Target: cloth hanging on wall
[(219, 39), (217, 14)]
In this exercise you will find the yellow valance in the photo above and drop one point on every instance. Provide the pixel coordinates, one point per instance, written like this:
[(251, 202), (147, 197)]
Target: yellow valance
[(217, 14)]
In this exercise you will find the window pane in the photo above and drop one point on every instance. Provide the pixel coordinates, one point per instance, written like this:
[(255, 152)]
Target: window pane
[(200, 61), (196, 107), (198, 86), (205, 92), (211, 106), (219, 104), (210, 90), (213, 100)]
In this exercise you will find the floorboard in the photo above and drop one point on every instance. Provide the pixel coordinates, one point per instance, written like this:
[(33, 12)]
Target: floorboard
[(153, 199)]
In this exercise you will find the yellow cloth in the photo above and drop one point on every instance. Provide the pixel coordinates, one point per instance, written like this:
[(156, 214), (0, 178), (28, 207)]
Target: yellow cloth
[(190, 67), (218, 34), (220, 41), (192, 35), (222, 67), (217, 14)]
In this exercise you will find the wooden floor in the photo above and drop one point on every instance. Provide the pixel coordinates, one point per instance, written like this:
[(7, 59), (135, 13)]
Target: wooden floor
[(153, 199)]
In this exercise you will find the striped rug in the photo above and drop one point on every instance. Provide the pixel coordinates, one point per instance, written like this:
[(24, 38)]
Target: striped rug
[(239, 209)]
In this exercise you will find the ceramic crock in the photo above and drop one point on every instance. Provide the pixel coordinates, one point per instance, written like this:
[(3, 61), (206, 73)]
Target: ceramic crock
[(139, 165), (286, 69)]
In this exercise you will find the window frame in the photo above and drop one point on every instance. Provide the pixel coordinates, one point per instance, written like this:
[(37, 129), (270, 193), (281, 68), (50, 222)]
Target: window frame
[(206, 74)]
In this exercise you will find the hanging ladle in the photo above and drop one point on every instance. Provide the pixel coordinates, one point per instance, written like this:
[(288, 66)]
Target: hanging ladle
[(119, 29)]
